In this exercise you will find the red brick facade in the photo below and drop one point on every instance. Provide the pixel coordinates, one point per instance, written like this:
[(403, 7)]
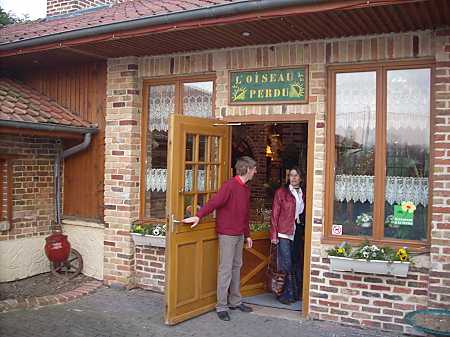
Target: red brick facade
[(360, 299), (150, 268), (439, 283), (33, 210)]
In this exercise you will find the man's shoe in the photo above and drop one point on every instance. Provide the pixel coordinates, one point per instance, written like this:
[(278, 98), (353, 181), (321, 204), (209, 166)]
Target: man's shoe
[(242, 307), (284, 301), (223, 315)]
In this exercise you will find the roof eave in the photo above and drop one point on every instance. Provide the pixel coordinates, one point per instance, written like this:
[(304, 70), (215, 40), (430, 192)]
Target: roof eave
[(236, 8), (49, 127)]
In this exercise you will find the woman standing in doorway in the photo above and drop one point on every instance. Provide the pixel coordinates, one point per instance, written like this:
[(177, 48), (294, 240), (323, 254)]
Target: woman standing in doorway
[(287, 231)]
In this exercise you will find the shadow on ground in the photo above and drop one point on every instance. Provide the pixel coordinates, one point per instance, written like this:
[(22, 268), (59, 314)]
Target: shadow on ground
[(121, 313)]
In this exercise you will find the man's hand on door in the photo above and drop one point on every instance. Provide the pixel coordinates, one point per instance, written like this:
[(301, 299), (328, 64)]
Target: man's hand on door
[(249, 242), (193, 220)]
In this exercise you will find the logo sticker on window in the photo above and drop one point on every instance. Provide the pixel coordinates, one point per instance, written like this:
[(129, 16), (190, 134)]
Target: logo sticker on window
[(404, 214), (336, 230)]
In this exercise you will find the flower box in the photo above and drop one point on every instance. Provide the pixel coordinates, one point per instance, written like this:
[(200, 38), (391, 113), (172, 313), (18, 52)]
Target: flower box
[(395, 268), (148, 240)]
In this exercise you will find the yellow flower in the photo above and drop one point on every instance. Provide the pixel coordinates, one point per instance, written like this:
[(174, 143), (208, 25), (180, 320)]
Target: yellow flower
[(402, 254), (341, 251), (408, 206)]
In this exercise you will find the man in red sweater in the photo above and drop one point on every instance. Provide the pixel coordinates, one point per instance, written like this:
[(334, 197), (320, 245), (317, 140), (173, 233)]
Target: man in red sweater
[(232, 205)]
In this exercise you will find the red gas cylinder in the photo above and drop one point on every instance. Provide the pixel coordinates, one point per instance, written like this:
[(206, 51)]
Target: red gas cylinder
[(57, 248)]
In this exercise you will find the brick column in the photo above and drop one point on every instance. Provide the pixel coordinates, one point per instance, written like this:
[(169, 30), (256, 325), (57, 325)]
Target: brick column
[(122, 138), (439, 283)]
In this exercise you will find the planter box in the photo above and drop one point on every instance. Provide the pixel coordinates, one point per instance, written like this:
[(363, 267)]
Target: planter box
[(148, 240), (395, 268)]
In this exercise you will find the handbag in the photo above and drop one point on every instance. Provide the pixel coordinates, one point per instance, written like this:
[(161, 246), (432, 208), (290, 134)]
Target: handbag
[(275, 278)]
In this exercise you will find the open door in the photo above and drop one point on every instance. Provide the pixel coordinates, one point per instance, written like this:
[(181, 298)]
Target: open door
[(198, 162)]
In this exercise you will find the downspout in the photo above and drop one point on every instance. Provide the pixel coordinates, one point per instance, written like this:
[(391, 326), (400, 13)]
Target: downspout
[(61, 155)]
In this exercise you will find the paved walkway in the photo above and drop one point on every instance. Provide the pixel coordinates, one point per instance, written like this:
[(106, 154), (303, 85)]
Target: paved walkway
[(121, 313)]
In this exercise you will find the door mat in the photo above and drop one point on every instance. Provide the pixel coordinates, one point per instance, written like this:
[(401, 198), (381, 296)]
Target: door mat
[(269, 300)]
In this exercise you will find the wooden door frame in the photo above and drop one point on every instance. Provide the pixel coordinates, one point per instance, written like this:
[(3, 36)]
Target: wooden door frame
[(309, 119)]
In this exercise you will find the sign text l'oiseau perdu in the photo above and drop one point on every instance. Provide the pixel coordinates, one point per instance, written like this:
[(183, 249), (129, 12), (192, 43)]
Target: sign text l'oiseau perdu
[(281, 85)]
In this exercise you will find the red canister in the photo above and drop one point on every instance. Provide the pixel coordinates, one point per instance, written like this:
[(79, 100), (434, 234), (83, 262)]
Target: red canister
[(57, 247)]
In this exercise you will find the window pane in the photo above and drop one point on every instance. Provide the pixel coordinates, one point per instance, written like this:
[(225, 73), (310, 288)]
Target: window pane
[(408, 152), (161, 104), (355, 152), (197, 99)]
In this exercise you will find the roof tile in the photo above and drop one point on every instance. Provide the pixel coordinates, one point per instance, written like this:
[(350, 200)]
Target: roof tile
[(21, 103), (119, 12)]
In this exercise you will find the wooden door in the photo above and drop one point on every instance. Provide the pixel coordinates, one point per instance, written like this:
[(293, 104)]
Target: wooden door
[(198, 161)]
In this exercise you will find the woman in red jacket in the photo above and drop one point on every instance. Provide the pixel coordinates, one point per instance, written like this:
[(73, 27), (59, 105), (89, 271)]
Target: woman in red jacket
[(286, 231)]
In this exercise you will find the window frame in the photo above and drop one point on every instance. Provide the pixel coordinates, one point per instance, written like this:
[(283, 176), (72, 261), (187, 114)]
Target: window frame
[(178, 82), (377, 237)]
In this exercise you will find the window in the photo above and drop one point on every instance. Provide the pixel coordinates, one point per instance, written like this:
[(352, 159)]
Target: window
[(188, 96), (378, 162), (5, 194)]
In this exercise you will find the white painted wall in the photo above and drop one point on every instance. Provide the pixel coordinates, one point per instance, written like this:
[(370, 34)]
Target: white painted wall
[(22, 258), (87, 238)]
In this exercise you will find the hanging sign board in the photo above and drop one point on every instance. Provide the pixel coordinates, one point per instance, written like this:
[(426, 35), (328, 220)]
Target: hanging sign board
[(404, 214), (269, 86)]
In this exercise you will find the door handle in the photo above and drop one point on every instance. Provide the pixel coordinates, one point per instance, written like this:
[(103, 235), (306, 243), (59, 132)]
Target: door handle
[(174, 222)]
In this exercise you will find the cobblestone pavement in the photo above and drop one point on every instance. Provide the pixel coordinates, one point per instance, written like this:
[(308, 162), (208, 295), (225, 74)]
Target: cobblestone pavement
[(113, 312)]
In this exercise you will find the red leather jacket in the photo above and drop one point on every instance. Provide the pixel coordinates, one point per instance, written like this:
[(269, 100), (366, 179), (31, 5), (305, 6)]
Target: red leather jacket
[(283, 213)]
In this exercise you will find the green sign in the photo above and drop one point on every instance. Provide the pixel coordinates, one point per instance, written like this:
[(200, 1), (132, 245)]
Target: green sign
[(272, 86), (404, 214)]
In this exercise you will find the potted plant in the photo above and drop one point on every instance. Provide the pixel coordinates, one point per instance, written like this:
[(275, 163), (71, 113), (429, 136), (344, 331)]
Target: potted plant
[(364, 220), (370, 259), (149, 235)]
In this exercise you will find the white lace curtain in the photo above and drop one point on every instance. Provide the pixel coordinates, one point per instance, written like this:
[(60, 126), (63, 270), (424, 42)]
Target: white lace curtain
[(360, 188), (156, 180), (161, 105), (197, 99)]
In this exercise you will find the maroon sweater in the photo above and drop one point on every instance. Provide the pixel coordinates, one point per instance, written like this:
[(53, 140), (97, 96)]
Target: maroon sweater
[(232, 203)]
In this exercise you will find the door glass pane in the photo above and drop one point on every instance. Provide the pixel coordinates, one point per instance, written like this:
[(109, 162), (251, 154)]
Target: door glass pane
[(188, 178), (408, 153), (197, 99), (190, 147), (213, 177), (188, 205), (214, 157), (203, 148), (201, 178), (201, 200), (161, 103), (355, 152)]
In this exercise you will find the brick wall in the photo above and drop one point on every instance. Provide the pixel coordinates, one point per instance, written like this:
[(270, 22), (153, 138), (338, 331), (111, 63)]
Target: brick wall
[(339, 288), (122, 153), (439, 287), (59, 7), (33, 186), (150, 268)]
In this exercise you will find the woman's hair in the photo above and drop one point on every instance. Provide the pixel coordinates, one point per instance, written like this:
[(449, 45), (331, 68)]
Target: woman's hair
[(299, 172), (243, 164)]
